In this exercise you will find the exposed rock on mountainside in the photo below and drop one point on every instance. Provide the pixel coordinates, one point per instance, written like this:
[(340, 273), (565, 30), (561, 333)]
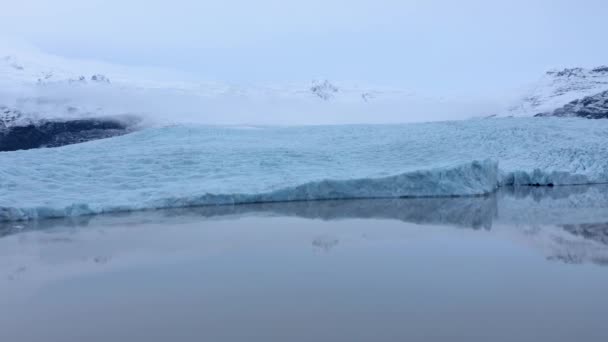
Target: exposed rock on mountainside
[(590, 107), (100, 78), (9, 117), (18, 132), (324, 90), (559, 88)]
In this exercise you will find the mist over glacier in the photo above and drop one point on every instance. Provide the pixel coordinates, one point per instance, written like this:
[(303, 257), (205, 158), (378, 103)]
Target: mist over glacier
[(45, 86)]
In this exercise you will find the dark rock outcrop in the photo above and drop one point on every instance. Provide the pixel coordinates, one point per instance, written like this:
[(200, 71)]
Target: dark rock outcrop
[(59, 133), (590, 107), (557, 88), (100, 78), (324, 90), (20, 132)]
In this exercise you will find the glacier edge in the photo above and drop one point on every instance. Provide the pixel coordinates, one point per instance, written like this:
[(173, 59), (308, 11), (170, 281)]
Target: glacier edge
[(471, 179)]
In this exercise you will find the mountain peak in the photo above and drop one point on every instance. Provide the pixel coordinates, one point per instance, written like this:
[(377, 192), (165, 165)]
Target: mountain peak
[(567, 72)]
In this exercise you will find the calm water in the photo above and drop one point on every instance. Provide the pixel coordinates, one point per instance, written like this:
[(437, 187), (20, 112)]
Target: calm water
[(521, 265)]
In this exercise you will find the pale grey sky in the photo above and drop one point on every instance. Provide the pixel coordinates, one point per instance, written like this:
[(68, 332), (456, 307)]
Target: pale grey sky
[(441, 45)]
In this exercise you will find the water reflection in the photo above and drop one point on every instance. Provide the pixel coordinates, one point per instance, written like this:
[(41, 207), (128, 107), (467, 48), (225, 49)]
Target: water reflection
[(592, 231), (569, 224), (468, 212), (325, 242)]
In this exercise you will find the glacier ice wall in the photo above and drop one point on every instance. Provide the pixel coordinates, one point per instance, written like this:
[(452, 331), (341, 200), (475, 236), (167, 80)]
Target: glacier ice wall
[(184, 165)]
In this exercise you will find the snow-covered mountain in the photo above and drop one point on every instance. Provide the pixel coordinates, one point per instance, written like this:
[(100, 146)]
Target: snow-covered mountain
[(36, 86), (42, 96), (32, 67), (590, 107), (558, 88), (45, 101), (22, 132), (45, 86), (26, 65)]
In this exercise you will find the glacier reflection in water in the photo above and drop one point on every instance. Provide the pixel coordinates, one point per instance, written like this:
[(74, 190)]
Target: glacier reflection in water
[(570, 221), (410, 269)]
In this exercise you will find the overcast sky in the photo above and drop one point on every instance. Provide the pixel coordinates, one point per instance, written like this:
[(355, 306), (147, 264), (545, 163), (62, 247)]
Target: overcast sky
[(440, 45)]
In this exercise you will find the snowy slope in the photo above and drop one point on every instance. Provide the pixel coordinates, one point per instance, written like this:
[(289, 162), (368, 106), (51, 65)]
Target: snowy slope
[(559, 87), (28, 66), (197, 165), (45, 98), (25, 65), (590, 107), (44, 86)]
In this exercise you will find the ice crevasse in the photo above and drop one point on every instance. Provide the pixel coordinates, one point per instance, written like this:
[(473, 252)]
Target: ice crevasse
[(197, 165)]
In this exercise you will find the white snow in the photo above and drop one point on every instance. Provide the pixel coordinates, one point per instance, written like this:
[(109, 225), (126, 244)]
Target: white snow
[(46, 86), (558, 88), (204, 165)]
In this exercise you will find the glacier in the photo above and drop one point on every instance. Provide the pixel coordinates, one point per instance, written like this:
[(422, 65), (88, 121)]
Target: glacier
[(197, 165)]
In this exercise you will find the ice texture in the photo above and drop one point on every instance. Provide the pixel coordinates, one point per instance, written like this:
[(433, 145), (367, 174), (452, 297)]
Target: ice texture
[(189, 165)]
